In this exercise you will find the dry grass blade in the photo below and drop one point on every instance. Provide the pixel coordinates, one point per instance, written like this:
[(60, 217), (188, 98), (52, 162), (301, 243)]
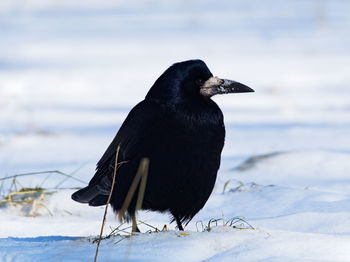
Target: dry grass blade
[(144, 173), (201, 224), (154, 228), (12, 184), (109, 199), (225, 186), (236, 223), (69, 176), (243, 223), (142, 170), (118, 231), (43, 172)]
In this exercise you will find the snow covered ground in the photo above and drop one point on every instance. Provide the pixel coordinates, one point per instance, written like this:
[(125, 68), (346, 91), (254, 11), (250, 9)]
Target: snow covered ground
[(70, 71)]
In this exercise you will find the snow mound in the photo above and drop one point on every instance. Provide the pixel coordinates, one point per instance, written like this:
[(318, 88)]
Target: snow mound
[(321, 170)]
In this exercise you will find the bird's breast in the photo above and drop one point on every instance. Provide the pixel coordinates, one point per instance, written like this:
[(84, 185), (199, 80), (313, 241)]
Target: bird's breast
[(184, 155), (194, 139)]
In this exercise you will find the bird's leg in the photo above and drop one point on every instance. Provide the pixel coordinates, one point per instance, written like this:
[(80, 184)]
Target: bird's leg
[(178, 222), (134, 227)]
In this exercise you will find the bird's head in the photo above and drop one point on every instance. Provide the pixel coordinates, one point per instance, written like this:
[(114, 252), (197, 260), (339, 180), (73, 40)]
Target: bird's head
[(192, 79)]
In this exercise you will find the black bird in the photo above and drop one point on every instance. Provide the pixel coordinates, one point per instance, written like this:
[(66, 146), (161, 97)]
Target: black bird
[(180, 129)]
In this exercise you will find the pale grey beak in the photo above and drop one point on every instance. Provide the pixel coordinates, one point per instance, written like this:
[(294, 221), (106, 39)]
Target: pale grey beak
[(215, 86)]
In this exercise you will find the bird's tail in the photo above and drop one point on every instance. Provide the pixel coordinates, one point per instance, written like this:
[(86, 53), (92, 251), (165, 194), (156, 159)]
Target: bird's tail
[(85, 194), (95, 195), (91, 195)]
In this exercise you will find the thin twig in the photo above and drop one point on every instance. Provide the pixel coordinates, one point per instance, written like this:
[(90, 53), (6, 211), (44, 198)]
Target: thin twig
[(156, 229), (43, 172), (109, 199), (45, 179), (70, 175)]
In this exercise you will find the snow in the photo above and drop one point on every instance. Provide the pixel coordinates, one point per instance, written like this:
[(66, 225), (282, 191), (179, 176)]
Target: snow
[(218, 245), (71, 71)]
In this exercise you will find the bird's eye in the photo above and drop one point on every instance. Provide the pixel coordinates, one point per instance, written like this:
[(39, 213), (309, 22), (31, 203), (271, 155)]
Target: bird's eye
[(199, 82)]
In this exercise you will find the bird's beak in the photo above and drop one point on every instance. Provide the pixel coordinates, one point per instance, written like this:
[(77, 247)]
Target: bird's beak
[(215, 86)]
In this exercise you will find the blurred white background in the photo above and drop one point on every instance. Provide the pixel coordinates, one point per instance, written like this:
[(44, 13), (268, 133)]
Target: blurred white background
[(71, 70)]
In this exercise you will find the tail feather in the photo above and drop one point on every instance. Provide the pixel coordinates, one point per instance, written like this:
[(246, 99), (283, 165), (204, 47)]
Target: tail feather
[(86, 194), (99, 200), (96, 194)]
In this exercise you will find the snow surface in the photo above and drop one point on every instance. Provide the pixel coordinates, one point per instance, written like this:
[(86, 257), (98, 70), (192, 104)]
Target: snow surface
[(70, 71)]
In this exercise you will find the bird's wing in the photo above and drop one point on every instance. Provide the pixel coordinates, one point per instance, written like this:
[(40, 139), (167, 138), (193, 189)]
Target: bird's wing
[(140, 122)]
